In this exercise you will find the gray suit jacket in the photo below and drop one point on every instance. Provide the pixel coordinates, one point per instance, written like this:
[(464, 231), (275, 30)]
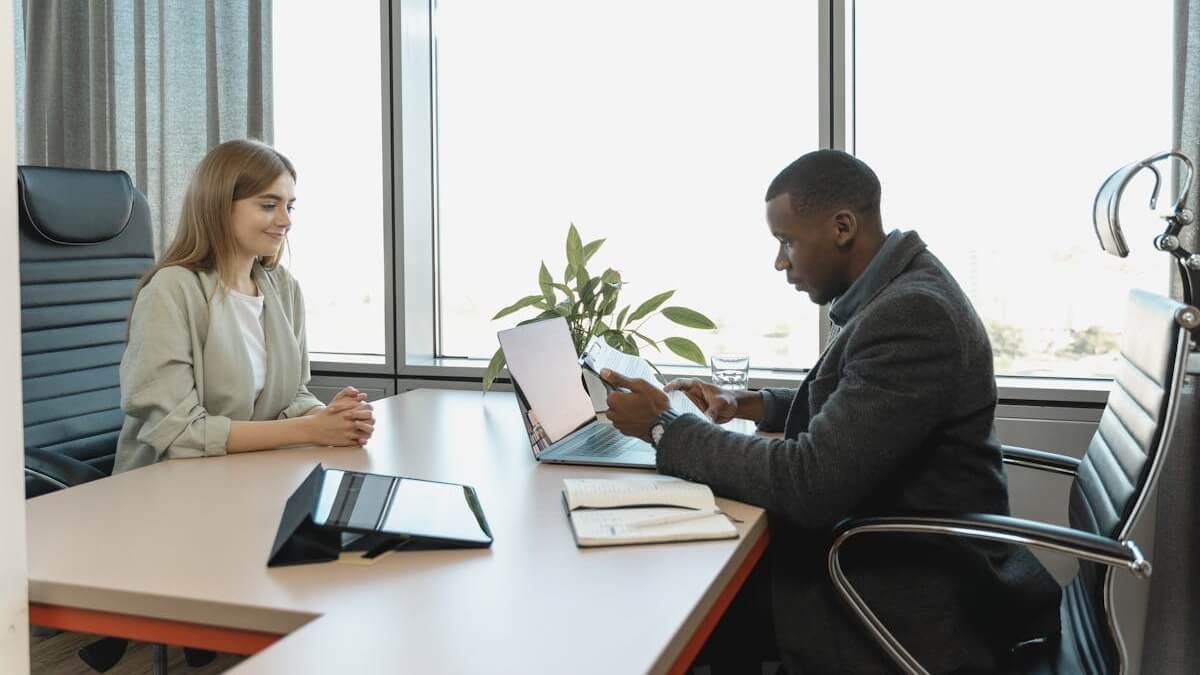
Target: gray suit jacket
[(895, 418)]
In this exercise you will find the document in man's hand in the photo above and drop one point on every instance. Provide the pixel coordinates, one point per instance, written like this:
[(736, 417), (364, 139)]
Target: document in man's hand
[(598, 355), (608, 512)]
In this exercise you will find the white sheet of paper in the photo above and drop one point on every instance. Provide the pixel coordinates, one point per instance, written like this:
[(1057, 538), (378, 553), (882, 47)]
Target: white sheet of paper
[(601, 356), (542, 358)]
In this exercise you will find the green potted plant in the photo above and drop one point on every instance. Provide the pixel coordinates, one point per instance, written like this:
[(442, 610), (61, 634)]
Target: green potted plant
[(589, 304)]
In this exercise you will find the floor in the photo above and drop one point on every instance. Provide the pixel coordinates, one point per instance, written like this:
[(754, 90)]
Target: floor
[(55, 655)]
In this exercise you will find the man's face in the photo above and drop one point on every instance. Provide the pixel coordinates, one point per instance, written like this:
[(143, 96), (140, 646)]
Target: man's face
[(809, 253)]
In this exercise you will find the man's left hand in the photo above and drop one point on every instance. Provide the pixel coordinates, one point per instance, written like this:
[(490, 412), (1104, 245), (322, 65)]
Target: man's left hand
[(632, 412)]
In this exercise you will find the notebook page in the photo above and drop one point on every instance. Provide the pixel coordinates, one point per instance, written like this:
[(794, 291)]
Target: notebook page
[(615, 526), (607, 493)]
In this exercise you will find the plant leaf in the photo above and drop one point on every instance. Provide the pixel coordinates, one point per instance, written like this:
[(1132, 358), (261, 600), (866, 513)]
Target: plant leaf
[(649, 342), (688, 317), (581, 278), (598, 328), (493, 369), (565, 289), (520, 304), (568, 274), (612, 279), (590, 249), (589, 292), (628, 345), (651, 305), (546, 282), (574, 248), (687, 349), (548, 314), (621, 317)]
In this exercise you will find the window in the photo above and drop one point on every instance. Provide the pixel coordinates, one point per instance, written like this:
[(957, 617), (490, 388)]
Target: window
[(328, 121), (991, 126), (656, 126)]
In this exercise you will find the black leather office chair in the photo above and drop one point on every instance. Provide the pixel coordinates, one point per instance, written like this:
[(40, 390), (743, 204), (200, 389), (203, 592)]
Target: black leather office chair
[(1110, 487), (85, 240)]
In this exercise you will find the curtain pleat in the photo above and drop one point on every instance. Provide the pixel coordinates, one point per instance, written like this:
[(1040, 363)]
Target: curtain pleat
[(147, 86)]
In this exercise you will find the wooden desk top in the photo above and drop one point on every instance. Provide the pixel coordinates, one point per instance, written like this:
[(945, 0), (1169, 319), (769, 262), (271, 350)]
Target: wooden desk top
[(188, 540)]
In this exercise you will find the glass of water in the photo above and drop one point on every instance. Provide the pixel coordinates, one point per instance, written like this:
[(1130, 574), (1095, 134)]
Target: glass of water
[(730, 371)]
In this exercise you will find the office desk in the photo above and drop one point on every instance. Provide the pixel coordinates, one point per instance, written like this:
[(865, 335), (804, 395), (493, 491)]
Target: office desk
[(176, 552)]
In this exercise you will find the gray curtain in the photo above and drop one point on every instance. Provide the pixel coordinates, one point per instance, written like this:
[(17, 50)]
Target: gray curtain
[(1173, 614), (147, 86)]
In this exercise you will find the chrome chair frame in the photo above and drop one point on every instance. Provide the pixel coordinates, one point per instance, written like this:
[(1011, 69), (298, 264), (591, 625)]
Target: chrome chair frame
[(1115, 552)]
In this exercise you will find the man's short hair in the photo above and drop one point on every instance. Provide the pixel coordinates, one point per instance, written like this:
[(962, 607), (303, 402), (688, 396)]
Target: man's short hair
[(828, 179)]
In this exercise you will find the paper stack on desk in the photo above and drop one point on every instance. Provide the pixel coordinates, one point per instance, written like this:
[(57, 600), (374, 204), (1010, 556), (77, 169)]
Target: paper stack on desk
[(609, 512)]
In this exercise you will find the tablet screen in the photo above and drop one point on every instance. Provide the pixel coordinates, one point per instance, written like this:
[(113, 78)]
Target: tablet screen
[(410, 506)]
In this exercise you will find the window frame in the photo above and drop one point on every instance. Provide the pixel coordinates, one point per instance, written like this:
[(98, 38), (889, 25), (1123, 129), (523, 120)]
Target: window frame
[(409, 53), (326, 363)]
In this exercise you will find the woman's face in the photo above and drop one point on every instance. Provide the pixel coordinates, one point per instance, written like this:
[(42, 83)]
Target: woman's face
[(260, 223)]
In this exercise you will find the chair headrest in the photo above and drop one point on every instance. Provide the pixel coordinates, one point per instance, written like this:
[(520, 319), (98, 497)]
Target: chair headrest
[(75, 206), (1107, 206)]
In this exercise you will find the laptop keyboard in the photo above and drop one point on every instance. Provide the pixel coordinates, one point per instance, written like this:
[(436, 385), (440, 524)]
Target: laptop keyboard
[(596, 440)]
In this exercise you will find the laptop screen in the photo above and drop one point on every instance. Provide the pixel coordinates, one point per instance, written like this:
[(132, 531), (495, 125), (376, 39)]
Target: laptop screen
[(542, 358)]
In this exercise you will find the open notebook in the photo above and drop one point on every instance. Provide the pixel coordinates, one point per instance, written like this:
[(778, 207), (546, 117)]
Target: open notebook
[(608, 512)]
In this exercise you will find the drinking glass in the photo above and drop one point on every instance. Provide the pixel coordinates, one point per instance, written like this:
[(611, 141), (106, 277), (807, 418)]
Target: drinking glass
[(730, 371)]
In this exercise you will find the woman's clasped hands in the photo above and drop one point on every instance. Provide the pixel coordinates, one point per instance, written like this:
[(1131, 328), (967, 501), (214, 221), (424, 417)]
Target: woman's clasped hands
[(347, 420)]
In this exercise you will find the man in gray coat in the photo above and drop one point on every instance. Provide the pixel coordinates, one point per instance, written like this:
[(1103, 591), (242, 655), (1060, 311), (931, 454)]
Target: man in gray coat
[(896, 417)]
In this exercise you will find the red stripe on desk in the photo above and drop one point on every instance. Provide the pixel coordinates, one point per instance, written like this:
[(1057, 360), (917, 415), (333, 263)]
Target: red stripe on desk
[(684, 661), (158, 631)]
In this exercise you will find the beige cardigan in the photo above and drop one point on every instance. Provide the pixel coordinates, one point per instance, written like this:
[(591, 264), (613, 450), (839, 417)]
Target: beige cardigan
[(185, 373)]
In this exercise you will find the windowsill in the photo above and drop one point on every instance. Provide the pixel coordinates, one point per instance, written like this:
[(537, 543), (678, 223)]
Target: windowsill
[(1038, 390), (341, 357)]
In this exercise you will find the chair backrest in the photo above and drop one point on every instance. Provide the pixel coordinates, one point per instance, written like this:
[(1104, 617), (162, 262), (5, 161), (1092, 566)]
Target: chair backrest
[(1125, 455), (85, 240)]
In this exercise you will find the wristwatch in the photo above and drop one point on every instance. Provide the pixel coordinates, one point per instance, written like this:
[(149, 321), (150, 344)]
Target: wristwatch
[(660, 426)]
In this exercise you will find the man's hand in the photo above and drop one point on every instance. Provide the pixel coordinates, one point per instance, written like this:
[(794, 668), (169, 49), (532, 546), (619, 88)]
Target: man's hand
[(632, 412), (720, 405)]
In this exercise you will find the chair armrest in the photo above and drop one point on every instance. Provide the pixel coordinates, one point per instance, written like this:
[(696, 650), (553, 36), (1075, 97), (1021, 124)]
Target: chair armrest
[(1082, 545), (49, 471), (1038, 459), (1008, 529)]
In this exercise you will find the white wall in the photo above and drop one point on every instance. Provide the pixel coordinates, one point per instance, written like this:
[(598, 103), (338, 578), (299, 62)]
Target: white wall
[(14, 608)]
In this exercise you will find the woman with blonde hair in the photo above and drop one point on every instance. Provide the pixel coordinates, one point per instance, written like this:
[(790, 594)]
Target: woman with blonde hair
[(216, 359)]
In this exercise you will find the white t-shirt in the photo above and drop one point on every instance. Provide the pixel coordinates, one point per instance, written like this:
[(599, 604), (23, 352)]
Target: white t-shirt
[(248, 311)]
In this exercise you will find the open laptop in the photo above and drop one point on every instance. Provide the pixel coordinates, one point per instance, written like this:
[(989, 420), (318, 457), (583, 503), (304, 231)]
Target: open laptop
[(555, 406)]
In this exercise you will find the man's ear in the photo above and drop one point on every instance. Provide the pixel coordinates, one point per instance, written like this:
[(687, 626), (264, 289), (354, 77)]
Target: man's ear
[(845, 227)]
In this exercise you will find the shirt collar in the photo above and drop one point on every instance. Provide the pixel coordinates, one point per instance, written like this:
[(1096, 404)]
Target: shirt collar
[(893, 256)]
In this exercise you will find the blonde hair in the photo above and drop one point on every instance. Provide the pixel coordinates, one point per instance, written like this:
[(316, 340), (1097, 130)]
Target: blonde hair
[(204, 239)]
